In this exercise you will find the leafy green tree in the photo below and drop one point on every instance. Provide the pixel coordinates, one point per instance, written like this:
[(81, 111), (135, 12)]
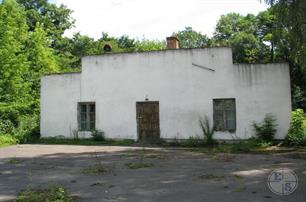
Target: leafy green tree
[(14, 91), (125, 42), (55, 20), (149, 45), (42, 59), (246, 48), (192, 39), (227, 26), (13, 62), (240, 32), (290, 43), (267, 31)]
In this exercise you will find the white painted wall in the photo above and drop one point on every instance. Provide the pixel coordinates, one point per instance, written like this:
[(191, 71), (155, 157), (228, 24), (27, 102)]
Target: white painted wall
[(58, 109), (184, 91)]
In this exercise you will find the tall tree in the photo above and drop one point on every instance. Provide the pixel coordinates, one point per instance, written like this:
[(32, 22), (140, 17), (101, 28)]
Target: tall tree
[(190, 38), (149, 45), (14, 91), (267, 30), (13, 62), (55, 20), (291, 16), (42, 59), (240, 32)]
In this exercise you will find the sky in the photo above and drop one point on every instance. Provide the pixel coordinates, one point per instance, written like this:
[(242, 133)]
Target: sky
[(151, 19)]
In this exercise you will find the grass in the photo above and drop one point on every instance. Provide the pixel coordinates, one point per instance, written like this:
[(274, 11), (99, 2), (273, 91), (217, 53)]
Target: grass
[(139, 165), (97, 169), (51, 194), (212, 177), (238, 176), (7, 140), (14, 161), (67, 141), (251, 145)]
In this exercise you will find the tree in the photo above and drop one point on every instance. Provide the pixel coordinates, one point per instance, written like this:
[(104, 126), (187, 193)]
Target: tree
[(192, 39), (14, 90), (240, 32), (13, 62), (125, 42), (270, 2), (290, 43), (149, 45), (267, 31), (55, 20), (246, 48), (227, 26), (42, 60)]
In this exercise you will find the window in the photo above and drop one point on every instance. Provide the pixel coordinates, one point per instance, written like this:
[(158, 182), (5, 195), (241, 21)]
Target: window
[(87, 116), (224, 114)]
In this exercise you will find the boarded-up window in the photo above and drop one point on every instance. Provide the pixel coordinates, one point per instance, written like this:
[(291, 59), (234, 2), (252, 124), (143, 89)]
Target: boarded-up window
[(86, 116), (224, 114)]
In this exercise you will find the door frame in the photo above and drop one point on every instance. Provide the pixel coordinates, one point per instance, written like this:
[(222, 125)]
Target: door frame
[(137, 118)]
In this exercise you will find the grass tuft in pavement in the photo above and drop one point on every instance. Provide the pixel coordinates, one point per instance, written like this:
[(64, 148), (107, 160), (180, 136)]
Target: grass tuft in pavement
[(14, 161), (97, 169), (51, 194), (139, 165)]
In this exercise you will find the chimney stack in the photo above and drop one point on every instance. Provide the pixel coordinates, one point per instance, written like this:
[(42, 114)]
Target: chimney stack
[(173, 42)]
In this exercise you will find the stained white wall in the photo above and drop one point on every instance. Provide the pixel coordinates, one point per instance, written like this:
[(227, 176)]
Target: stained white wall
[(58, 109), (184, 91)]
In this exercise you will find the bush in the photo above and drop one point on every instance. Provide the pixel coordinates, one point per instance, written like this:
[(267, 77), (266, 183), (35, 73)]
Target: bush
[(28, 129), (266, 129), (248, 145), (53, 194), (6, 127), (194, 141), (6, 140), (242, 146), (297, 132), (98, 135), (208, 132)]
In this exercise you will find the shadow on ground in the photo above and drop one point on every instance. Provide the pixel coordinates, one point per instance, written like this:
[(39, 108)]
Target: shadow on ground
[(175, 175)]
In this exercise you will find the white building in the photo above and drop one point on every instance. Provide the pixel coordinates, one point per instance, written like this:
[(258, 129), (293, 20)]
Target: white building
[(181, 85)]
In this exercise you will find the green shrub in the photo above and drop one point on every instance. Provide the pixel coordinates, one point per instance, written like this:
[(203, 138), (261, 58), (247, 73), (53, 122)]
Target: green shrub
[(245, 146), (10, 112), (266, 129), (207, 130), (98, 135), (6, 140), (241, 146), (297, 132), (28, 129), (193, 141), (6, 127), (51, 194)]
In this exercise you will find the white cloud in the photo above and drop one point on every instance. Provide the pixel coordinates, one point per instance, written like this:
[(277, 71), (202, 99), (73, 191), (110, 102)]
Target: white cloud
[(153, 19)]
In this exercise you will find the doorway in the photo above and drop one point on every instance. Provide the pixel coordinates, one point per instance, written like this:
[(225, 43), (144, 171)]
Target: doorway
[(147, 115)]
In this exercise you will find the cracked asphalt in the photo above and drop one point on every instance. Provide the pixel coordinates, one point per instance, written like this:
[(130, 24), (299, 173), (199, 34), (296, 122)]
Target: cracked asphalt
[(175, 174)]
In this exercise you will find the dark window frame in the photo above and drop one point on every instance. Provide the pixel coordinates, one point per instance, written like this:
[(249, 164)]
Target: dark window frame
[(224, 115), (86, 116)]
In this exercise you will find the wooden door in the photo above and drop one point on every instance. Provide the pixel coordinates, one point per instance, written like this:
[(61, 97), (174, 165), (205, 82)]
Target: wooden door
[(147, 115)]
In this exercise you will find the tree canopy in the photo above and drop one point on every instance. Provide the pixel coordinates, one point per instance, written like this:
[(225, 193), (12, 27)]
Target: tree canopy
[(32, 43)]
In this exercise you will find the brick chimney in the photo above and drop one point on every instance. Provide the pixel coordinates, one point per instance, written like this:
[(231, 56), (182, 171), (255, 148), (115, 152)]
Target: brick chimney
[(173, 42)]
